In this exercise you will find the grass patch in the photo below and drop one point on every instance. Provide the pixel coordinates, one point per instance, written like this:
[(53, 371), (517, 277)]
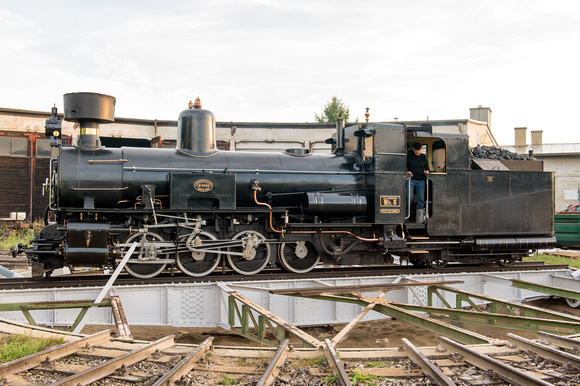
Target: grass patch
[(549, 259), (19, 233), (378, 364), (363, 379), (18, 346), (312, 362), (228, 380), (329, 380)]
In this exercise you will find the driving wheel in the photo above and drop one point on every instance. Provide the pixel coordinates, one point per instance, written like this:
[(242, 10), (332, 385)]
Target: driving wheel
[(201, 257), (298, 257), (146, 251), (251, 255)]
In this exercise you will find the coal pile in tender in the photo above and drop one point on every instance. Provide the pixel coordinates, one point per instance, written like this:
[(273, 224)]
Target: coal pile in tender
[(492, 152)]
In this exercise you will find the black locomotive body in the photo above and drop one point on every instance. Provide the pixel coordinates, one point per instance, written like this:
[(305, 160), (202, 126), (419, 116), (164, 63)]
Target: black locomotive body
[(195, 208)]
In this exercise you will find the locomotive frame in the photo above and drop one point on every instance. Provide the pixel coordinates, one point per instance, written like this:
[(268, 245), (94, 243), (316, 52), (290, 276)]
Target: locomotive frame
[(197, 208)]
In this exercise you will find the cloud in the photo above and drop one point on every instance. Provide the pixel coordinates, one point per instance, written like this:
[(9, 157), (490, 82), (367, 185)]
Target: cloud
[(265, 60)]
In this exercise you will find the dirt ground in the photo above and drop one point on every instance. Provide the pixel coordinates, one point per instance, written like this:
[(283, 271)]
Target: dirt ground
[(372, 334)]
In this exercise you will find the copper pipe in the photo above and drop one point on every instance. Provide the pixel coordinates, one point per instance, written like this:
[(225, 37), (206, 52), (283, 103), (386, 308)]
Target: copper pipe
[(346, 232), (269, 207)]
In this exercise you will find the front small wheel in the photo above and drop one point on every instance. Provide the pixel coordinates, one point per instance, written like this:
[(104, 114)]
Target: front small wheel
[(506, 262), (437, 264), (574, 303)]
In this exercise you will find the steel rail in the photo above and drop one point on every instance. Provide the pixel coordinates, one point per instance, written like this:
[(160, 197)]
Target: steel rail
[(485, 363), (266, 274), (555, 355), (185, 365), (428, 367), (51, 354), (336, 364), (107, 368), (561, 341), (269, 376)]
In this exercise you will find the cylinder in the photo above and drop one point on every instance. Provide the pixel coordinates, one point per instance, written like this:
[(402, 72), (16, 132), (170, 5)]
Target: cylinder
[(350, 204), (196, 131), (87, 243)]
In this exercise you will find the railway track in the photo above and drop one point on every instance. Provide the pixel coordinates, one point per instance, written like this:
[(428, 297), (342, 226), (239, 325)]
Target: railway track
[(91, 280), (101, 360)]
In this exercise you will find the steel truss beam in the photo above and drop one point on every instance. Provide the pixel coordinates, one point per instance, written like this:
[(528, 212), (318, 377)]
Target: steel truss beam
[(533, 318), (206, 304), (349, 295), (394, 310), (266, 320), (113, 302), (567, 287)]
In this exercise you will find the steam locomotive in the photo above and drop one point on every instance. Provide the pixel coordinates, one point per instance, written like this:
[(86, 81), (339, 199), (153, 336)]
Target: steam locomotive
[(196, 208)]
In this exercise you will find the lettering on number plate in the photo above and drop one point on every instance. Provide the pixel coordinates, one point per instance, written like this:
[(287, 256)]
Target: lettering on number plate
[(391, 201)]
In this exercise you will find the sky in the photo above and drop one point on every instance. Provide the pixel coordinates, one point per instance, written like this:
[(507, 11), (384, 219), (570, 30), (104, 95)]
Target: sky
[(282, 61)]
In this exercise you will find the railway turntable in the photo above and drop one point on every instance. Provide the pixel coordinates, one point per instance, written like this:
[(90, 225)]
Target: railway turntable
[(292, 354)]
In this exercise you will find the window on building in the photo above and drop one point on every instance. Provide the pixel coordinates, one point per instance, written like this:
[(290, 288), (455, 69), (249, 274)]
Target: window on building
[(19, 146), (43, 148), (14, 146), (5, 145)]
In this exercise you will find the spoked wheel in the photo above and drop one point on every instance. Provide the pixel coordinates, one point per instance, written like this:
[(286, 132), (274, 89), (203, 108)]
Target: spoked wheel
[(298, 257), (437, 264), (146, 250), (574, 303), (434, 260), (252, 255), (197, 260), (417, 262), (506, 261)]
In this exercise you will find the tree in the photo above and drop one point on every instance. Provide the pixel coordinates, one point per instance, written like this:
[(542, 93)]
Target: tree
[(333, 110)]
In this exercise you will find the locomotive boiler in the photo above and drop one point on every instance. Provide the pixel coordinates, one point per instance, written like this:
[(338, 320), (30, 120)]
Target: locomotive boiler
[(196, 208)]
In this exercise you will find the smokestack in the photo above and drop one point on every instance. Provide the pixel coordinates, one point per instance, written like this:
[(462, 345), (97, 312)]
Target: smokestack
[(89, 109), (482, 114), (537, 137), (520, 133)]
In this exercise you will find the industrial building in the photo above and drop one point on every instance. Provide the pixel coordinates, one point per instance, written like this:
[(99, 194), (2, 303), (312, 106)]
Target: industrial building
[(560, 158)]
